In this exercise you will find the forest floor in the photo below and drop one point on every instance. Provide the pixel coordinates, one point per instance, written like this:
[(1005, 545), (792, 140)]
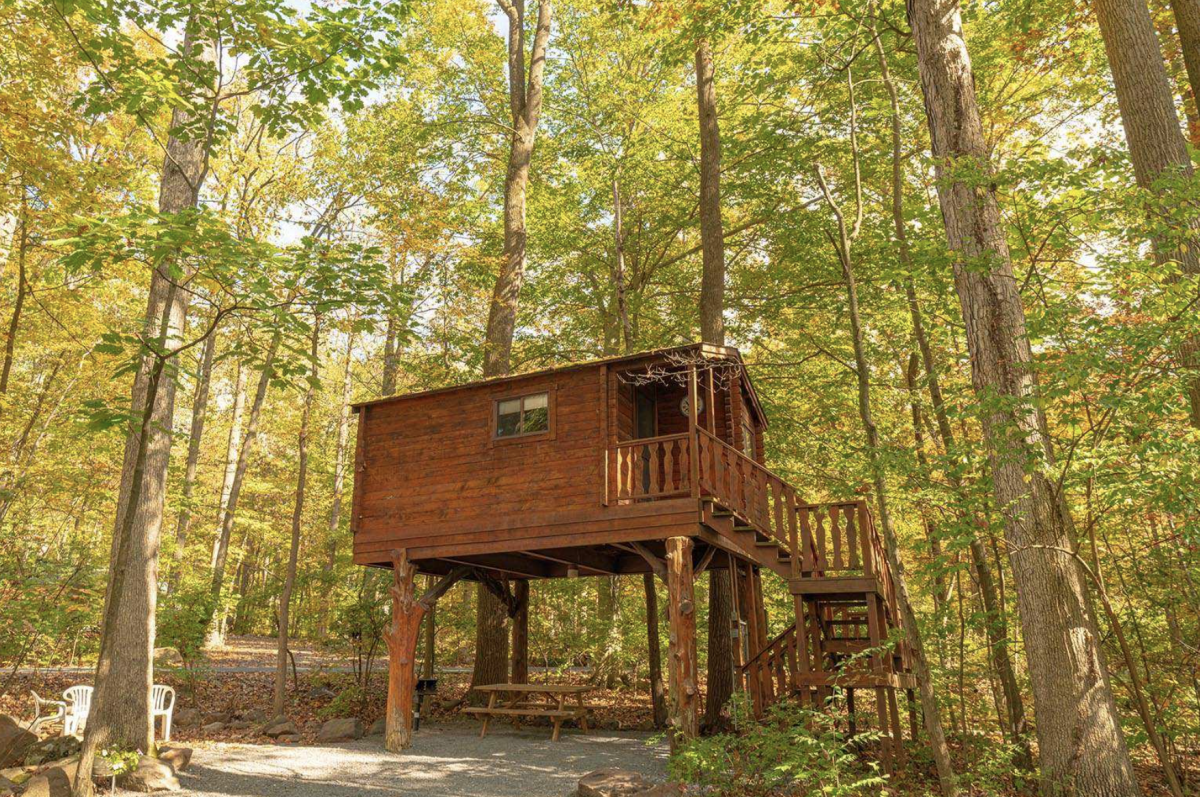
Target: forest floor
[(235, 687)]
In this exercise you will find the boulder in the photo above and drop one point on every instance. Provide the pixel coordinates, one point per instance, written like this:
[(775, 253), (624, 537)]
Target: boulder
[(167, 657), (219, 716), (53, 783), (187, 718), (343, 729), (7, 786), (288, 738), (663, 790), (240, 725), (256, 716), (15, 740), (178, 757), (280, 726), (612, 782), (150, 775), (52, 749), (213, 727), (321, 693), (16, 775), (378, 727)]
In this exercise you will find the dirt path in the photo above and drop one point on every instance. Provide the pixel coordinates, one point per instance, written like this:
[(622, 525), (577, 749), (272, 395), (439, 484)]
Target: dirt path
[(445, 761)]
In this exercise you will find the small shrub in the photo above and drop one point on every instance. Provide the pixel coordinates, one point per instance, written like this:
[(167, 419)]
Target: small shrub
[(793, 751)]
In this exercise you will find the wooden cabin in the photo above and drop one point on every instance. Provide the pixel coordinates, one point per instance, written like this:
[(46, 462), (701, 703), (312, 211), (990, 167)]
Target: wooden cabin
[(650, 462)]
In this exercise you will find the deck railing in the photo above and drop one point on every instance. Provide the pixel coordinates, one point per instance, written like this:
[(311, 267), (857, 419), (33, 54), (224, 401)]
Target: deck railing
[(653, 467)]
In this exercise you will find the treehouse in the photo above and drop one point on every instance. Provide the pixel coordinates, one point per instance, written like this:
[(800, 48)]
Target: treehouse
[(650, 462)]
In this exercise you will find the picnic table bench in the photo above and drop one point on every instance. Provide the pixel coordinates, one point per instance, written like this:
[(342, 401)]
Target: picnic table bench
[(558, 702)]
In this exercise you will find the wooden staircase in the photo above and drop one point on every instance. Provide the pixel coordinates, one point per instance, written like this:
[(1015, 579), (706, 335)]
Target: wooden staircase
[(846, 634)]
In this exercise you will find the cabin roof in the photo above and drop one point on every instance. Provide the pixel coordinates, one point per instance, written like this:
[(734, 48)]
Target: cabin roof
[(705, 349)]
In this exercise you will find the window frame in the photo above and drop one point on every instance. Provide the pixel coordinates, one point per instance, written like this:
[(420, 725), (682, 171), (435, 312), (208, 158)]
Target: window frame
[(522, 437)]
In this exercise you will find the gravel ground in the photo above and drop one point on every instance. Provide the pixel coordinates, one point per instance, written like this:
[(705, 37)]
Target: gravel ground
[(445, 760)]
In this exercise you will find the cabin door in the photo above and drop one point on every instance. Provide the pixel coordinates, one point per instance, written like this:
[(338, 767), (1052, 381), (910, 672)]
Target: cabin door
[(645, 420)]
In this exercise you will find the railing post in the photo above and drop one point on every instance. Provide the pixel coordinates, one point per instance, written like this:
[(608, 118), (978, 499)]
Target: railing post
[(693, 425)]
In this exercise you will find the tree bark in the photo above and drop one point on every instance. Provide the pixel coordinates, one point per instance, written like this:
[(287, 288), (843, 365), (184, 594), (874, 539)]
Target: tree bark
[(1187, 22), (1082, 748), (520, 634), (232, 446), (491, 642), (1157, 147), (720, 648), (658, 701), (289, 582), (120, 713), (682, 667), (525, 104), (199, 409), (14, 322), (391, 359), (712, 283), (339, 481), (216, 630), (430, 660)]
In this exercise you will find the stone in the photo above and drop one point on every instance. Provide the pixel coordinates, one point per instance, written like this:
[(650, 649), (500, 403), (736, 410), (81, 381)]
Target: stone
[(54, 783), (7, 786), (178, 757), (15, 740), (342, 729), (663, 790), (612, 782), (255, 715), (378, 727), (219, 716), (52, 749), (17, 775), (150, 775), (321, 693), (288, 738), (167, 657), (213, 727), (187, 718), (240, 725), (280, 726)]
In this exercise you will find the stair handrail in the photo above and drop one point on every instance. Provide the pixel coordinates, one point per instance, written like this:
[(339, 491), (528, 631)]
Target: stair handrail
[(770, 648)]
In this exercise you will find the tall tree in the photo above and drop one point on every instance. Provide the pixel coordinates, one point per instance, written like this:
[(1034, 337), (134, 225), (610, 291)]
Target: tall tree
[(1156, 143), (1079, 732), (712, 330), (525, 107), (195, 437)]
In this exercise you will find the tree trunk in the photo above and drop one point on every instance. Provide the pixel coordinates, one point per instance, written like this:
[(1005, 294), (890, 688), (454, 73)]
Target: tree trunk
[(339, 481), (391, 359), (430, 662), (14, 322), (658, 701), (682, 667), (199, 409), (216, 631), (289, 582), (520, 634), (712, 283), (525, 104), (1082, 748), (912, 631), (607, 640), (1187, 22), (720, 648), (619, 271), (232, 446), (120, 713), (1157, 147)]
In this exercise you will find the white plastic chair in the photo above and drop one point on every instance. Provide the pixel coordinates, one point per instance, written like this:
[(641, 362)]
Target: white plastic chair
[(79, 703), (162, 704)]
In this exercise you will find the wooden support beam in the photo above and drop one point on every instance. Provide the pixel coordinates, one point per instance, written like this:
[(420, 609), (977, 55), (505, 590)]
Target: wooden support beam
[(657, 566), (502, 589), (443, 585), (704, 562), (401, 638), (595, 564), (682, 664)]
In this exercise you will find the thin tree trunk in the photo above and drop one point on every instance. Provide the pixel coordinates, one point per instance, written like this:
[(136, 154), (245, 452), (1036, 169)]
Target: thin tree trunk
[(912, 631), (520, 634), (289, 582), (391, 358), (232, 446), (216, 631), (658, 699), (712, 283), (339, 482), (1157, 147), (199, 409), (430, 662), (619, 248), (1082, 748), (14, 322), (525, 105)]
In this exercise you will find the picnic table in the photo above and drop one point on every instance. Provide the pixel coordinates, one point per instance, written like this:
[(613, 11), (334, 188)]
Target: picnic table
[(559, 702)]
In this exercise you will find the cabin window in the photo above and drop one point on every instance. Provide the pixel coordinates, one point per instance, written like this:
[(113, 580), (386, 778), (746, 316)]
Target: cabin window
[(523, 415)]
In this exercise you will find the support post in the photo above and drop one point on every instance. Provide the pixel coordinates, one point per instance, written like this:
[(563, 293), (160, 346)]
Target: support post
[(681, 610), (401, 638), (693, 437)]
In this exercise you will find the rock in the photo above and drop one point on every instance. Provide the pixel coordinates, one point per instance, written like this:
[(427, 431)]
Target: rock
[(255, 715), (150, 775), (609, 725), (178, 757), (240, 725), (343, 729), (280, 726), (219, 716), (321, 693), (288, 738), (378, 727), (213, 727), (611, 782), (663, 790), (54, 783), (17, 775), (52, 749), (187, 718), (7, 786), (15, 740), (167, 657)]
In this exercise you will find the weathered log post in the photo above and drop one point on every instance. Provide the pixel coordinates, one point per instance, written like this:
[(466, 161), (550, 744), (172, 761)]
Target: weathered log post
[(681, 612), (401, 638)]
